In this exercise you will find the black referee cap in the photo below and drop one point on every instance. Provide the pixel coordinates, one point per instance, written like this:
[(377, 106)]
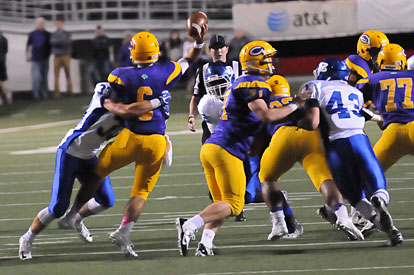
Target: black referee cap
[(217, 42)]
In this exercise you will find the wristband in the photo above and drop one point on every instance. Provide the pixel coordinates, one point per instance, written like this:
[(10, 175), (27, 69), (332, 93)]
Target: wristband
[(376, 118), (198, 46), (293, 106), (155, 103)]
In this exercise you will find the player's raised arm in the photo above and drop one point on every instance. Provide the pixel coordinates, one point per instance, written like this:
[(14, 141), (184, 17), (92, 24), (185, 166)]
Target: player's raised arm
[(197, 27)]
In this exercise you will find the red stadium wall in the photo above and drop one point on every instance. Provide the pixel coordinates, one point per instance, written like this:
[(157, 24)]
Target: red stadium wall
[(306, 64)]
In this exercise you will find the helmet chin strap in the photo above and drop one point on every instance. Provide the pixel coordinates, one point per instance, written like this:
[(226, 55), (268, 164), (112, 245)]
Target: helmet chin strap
[(261, 71)]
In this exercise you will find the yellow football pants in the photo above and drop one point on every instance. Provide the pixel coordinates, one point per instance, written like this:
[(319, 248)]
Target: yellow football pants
[(225, 176), (289, 145), (396, 141), (146, 151)]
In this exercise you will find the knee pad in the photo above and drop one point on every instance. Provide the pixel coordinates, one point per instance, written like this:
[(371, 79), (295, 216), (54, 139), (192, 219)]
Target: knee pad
[(96, 207), (45, 217)]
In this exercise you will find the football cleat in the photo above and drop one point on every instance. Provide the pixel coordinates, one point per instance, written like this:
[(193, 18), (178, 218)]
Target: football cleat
[(184, 237), (83, 232), (349, 229), (358, 219), (295, 229), (279, 227), (383, 214), (124, 243), (386, 223), (241, 217), (326, 215), (369, 229), (395, 236), (203, 251), (25, 249)]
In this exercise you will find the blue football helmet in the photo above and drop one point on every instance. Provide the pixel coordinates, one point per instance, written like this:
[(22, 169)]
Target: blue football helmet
[(218, 78), (332, 68)]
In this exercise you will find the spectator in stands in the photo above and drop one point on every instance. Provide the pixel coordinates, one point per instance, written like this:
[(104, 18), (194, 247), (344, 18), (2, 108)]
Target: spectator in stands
[(61, 44), (174, 46), (38, 52), (236, 44), (124, 56), (100, 65), (3, 70)]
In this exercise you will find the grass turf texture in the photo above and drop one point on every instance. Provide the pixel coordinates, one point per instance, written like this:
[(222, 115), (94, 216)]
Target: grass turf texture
[(25, 183)]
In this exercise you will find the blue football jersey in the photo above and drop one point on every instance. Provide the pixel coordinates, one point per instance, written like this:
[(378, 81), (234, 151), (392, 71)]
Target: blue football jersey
[(392, 93), (237, 122), (132, 84)]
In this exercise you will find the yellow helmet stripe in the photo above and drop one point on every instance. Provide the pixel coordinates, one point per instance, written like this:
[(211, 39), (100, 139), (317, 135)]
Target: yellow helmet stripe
[(354, 67), (253, 84), (115, 79), (363, 81), (175, 73)]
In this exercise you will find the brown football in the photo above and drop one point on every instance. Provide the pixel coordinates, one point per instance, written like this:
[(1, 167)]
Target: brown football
[(195, 22)]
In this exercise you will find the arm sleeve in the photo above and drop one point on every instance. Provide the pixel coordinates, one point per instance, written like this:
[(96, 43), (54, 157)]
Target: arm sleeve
[(184, 64)]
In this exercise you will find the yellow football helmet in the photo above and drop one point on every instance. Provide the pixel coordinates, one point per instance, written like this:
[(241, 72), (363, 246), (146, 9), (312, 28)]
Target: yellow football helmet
[(257, 57), (370, 44), (144, 48), (279, 85), (392, 57)]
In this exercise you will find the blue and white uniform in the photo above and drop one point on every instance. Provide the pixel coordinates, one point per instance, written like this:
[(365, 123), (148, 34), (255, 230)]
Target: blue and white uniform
[(212, 82), (76, 155), (349, 153)]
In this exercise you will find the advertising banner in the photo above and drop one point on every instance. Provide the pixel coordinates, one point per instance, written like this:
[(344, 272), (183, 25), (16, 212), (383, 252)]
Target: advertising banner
[(297, 19), (385, 15)]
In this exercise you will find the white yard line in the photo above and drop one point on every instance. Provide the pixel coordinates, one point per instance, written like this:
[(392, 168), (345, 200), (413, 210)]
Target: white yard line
[(37, 126), (295, 245), (371, 268)]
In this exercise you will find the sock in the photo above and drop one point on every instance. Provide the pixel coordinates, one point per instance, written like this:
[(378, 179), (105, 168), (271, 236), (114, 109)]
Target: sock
[(208, 237), (340, 210), (278, 214), (194, 223), (383, 194), (276, 209), (78, 218), (126, 225)]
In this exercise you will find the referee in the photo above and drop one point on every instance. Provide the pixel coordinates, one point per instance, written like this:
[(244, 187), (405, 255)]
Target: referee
[(212, 80)]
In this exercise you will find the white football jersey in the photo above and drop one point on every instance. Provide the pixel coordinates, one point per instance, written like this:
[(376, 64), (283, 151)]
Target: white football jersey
[(209, 109), (95, 128), (340, 104)]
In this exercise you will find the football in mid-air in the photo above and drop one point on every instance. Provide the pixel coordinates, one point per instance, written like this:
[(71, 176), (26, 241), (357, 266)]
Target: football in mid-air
[(195, 22)]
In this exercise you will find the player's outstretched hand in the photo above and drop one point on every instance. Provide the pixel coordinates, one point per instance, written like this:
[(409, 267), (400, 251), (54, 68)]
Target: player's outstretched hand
[(165, 97), (304, 94)]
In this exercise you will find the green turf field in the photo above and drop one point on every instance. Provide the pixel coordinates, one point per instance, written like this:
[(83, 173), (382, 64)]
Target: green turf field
[(26, 169)]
